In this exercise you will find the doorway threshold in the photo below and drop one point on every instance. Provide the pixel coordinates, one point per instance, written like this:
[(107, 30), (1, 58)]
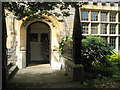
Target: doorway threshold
[(34, 63)]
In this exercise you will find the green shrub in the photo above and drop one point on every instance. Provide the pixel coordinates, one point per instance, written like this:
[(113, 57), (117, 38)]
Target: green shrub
[(114, 62), (114, 59), (94, 50), (97, 56), (64, 39)]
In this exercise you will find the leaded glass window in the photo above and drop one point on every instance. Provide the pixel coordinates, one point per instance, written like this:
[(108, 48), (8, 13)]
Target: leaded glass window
[(84, 15), (94, 16), (94, 29), (103, 29), (112, 17), (103, 16), (113, 29), (85, 28), (113, 42)]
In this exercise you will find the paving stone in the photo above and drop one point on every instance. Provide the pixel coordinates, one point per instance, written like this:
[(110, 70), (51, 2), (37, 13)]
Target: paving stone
[(41, 76)]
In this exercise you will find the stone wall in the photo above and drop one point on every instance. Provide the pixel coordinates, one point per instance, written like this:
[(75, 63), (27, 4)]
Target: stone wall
[(75, 71), (68, 50)]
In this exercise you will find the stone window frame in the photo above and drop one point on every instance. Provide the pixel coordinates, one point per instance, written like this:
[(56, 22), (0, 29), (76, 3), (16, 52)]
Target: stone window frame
[(103, 29), (94, 28), (113, 42), (104, 16), (84, 15), (94, 16), (85, 27), (113, 17), (112, 28)]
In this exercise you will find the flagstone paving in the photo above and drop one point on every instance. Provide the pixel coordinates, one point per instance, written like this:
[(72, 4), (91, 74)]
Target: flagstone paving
[(42, 76)]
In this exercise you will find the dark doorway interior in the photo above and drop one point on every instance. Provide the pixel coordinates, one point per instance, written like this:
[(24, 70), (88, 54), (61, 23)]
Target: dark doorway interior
[(38, 44)]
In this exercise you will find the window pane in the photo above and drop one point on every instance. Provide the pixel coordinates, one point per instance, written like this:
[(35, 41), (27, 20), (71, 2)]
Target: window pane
[(103, 16), (44, 37), (94, 29), (112, 29), (103, 28), (85, 28), (94, 16), (84, 15), (113, 42), (34, 37), (113, 17)]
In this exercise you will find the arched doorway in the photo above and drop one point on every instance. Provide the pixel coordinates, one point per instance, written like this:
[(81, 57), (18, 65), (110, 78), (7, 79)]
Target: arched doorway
[(38, 43), (55, 28)]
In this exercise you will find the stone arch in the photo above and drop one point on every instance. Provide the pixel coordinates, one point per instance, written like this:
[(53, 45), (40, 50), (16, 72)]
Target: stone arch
[(54, 25)]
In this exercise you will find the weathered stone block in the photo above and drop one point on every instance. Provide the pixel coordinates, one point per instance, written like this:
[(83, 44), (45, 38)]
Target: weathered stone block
[(78, 73), (75, 71)]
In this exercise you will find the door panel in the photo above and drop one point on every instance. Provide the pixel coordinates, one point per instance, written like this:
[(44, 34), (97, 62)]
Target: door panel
[(39, 47), (45, 46), (28, 47), (36, 52)]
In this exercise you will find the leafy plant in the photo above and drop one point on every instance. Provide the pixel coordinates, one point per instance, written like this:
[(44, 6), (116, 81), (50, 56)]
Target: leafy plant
[(95, 53), (64, 39), (114, 59), (23, 9), (94, 50)]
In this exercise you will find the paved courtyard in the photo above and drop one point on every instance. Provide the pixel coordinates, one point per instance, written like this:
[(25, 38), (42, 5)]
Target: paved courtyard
[(42, 76)]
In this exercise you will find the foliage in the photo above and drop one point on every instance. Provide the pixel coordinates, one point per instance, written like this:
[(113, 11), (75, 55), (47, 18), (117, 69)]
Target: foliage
[(104, 82), (103, 77), (100, 62), (99, 58), (64, 39), (101, 81), (114, 59), (23, 9), (114, 62), (94, 50)]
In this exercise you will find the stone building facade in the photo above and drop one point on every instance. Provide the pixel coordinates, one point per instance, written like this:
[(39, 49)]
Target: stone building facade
[(102, 19), (37, 40)]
